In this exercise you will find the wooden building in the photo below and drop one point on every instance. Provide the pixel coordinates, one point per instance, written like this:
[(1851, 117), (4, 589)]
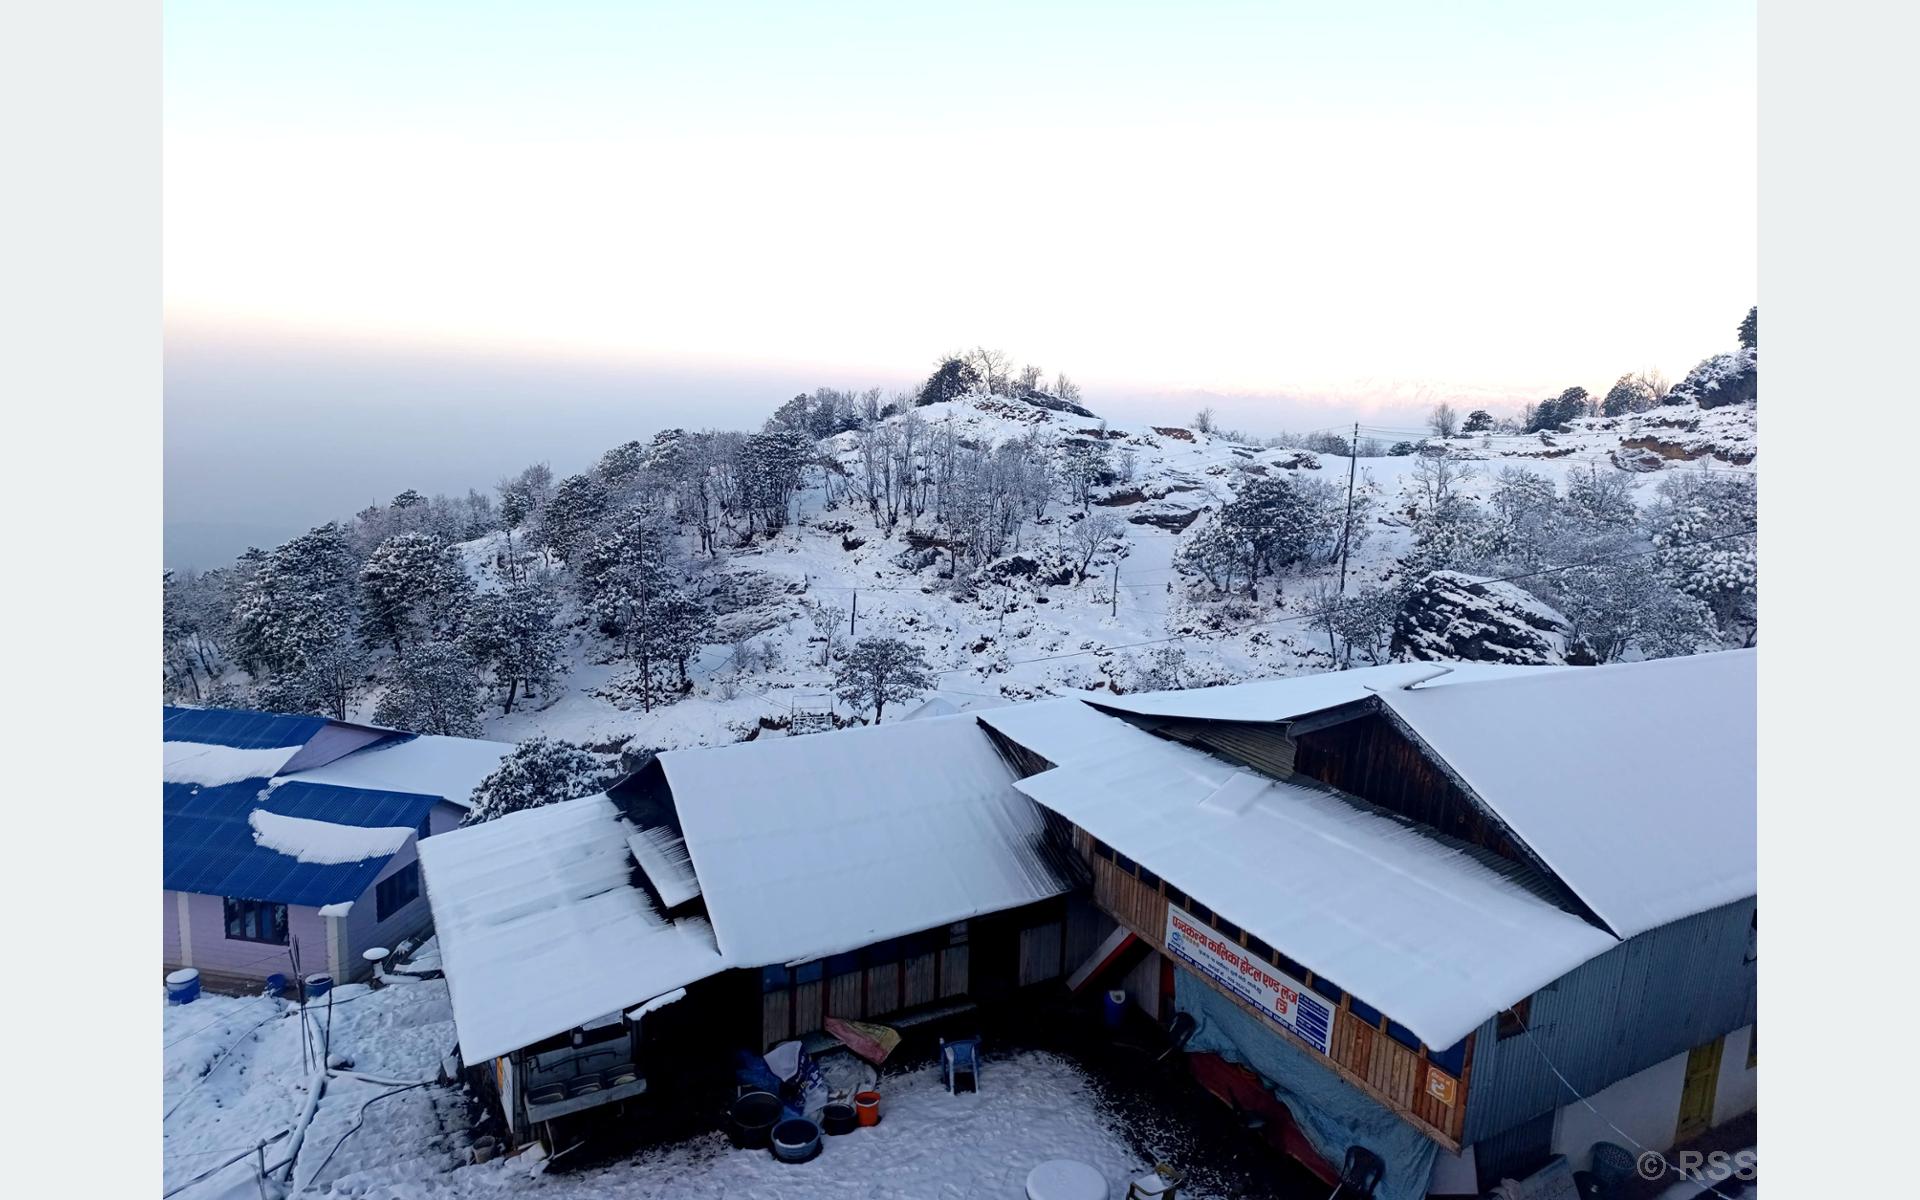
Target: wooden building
[(1350, 867)]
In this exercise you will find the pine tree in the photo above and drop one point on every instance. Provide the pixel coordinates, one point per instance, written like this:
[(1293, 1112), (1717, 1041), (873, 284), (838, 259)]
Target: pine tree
[(879, 671), (434, 689), (577, 506), (540, 771), (510, 635), (297, 600), (412, 586), (1750, 329)]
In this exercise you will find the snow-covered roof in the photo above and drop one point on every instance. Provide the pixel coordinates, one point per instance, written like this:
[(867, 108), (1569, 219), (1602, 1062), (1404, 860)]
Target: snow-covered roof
[(1286, 699), (448, 767), (1634, 782), (1414, 927), (814, 845), (541, 928)]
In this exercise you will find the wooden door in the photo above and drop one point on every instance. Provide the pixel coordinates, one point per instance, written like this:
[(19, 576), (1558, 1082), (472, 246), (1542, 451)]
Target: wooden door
[(1697, 1090)]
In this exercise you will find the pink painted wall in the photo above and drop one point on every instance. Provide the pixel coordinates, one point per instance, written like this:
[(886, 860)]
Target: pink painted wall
[(216, 955)]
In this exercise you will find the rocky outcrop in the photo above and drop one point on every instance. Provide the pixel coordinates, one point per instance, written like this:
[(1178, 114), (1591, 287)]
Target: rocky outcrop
[(1455, 617)]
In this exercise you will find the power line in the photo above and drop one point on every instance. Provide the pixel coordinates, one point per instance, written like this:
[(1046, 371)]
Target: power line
[(1313, 615)]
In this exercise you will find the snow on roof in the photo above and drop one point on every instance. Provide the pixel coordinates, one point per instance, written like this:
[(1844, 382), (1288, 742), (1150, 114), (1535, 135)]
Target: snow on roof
[(541, 928), (212, 843), (1635, 782), (310, 841), (1416, 928), (214, 766), (448, 767), (662, 854), (814, 845), (1061, 731), (1295, 696)]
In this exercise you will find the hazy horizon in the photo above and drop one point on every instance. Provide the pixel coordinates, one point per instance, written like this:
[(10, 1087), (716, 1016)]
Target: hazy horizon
[(267, 437), (578, 224)]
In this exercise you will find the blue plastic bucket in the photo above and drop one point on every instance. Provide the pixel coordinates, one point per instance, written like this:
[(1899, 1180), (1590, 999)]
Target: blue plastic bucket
[(183, 986), (276, 983), (1116, 1007), (318, 986)]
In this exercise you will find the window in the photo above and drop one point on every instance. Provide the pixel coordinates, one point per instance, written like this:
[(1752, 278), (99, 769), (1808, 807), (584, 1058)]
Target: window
[(1400, 1033), (256, 921), (396, 891), (1367, 1013), (1513, 1022)]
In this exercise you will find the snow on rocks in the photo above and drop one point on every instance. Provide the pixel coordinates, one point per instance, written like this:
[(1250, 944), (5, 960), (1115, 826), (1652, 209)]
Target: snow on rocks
[(1455, 617)]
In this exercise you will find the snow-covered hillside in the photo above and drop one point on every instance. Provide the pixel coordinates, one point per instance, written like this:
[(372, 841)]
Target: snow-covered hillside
[(1032, 628), (1023, 546)]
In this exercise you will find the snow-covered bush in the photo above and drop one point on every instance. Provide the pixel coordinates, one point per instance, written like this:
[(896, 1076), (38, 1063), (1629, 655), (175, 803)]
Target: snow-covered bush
[(540, 771)]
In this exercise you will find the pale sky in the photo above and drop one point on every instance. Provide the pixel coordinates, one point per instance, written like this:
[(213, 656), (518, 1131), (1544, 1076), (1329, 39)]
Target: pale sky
[(1334, 206)]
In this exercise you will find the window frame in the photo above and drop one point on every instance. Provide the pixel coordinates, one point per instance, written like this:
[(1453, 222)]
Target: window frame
[(236, 910), (381, 908)]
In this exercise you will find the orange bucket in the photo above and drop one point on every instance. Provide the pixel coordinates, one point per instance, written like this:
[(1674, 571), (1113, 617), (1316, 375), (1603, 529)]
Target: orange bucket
[(866, 1106)]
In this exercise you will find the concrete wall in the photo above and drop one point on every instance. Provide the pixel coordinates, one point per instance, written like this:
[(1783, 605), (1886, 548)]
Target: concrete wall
[(225, 962), (330, 944), (362, 926), (1645, 1105), (1737, 1092)]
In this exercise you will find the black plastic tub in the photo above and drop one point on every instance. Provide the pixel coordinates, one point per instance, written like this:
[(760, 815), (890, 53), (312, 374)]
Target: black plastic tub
[(751, 1118), (838, 1118), (796, 1140)]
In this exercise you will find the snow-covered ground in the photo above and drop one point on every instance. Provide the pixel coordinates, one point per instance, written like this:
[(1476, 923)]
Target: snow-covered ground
[(1026, 639), (234, 1075)]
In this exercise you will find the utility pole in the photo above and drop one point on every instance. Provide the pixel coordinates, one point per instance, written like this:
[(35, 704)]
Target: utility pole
[(1115, 610), (1346, 530), (853, 618)]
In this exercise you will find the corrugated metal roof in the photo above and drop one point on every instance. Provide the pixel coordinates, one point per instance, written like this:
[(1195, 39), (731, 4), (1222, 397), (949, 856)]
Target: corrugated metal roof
[(208, 844), (541, 927), (238, 728), (814, 845)]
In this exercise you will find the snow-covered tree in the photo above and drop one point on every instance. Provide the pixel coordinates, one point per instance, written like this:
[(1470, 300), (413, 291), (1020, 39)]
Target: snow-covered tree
[(540, 771), (630, 585), (510, 636), (1444, 420), (1703, 534), (829, 621), (1090, 535), (1478, 421), (327, 681), (411, 586), (434, 689), (1720, 380), (771, 465), (297, 600), (1084, 463), (195, 620), (578, 505), (878, 671)]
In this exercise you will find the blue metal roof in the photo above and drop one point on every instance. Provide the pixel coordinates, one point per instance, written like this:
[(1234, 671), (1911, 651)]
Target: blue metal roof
[(208, 844), (239, 728)]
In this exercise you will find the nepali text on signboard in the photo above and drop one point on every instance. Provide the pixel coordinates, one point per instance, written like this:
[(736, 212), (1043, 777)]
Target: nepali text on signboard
[(1284, 1000)]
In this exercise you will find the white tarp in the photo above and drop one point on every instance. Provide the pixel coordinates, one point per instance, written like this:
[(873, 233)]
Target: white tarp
[(1636, 783), (813, 845), (540, 926), (428, 765)]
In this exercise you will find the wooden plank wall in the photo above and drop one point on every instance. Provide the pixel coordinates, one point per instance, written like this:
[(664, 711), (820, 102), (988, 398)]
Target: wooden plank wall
[(1363, 1054)]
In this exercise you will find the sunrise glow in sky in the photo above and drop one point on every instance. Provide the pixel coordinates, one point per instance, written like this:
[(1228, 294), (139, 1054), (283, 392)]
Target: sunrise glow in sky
[(1242, 197)]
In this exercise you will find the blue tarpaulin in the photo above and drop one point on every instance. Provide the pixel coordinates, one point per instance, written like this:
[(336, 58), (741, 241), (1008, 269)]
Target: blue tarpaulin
[(1332, 1113)]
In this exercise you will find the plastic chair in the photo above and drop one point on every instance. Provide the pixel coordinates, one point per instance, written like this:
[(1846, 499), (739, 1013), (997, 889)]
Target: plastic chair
[(1163, 1183), (1359, 1175), (960, 1064)]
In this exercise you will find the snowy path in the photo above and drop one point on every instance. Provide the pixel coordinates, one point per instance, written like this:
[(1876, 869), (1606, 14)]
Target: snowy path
[(1032, 1107)]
